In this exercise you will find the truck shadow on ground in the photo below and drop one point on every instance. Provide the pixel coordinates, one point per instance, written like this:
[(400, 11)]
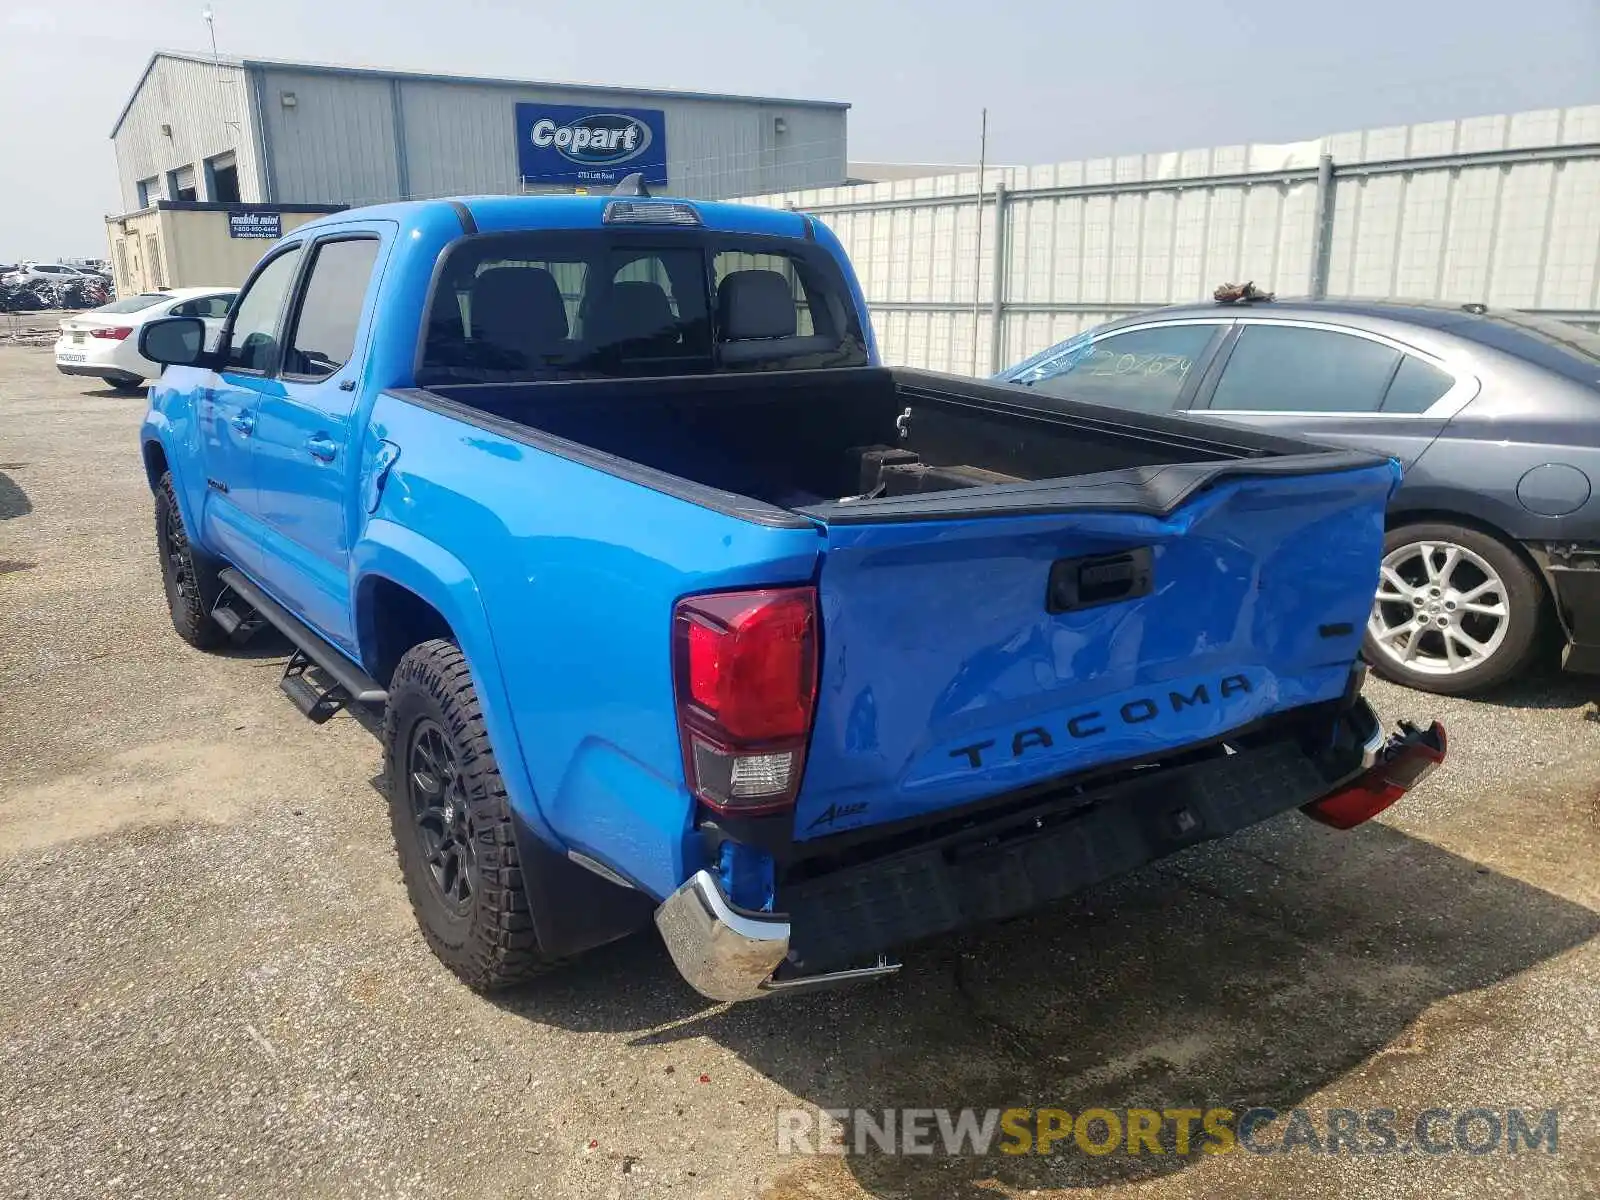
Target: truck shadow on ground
[(14, 501), (1249, 972)]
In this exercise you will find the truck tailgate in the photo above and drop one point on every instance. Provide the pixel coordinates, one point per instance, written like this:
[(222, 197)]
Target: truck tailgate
[(962, 658)]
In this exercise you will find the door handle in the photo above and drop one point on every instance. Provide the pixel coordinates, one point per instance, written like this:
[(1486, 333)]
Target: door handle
[(244, 422), (322, 448)]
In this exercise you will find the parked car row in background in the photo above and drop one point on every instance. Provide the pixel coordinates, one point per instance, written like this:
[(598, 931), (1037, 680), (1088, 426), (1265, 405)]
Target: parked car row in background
[(30, 287), (1494, 534), (103, 343), (54, 272)]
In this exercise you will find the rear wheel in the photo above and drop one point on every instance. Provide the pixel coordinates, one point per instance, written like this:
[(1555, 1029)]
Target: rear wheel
[(126, 386), (1457, 610), (452, 823), (188, 576)]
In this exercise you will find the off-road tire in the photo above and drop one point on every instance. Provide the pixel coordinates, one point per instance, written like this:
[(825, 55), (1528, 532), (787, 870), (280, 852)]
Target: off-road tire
[(493, 943), (188, 577), (1526, 602)]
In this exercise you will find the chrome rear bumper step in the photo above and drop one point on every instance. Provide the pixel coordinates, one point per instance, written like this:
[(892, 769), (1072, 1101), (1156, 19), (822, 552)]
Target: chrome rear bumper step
[(729, 953)]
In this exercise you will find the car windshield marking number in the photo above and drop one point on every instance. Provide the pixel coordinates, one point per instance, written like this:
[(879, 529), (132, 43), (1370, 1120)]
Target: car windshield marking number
[(1109, 362)]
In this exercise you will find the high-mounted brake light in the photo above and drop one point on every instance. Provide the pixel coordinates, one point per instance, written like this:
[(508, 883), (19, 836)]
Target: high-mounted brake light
[(649, 212), (745, 666), (115, 334)]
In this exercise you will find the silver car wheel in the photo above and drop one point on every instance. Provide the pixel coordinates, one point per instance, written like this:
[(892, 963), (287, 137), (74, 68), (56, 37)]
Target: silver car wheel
[(1441, 609)]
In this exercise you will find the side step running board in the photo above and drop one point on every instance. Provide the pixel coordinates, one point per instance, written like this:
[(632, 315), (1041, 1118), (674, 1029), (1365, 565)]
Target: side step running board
[(238, 619), (318, 678), (307, 685)]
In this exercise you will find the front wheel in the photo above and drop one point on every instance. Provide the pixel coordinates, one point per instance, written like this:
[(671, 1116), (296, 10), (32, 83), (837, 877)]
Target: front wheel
[(1457, 610), (452, 823)]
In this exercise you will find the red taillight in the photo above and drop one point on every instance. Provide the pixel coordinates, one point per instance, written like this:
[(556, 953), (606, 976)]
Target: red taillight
[(746, 671), (1406, 762), (112, 335)]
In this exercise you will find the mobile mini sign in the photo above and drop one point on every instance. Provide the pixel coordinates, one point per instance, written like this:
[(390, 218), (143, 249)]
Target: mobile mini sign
[(563, 145), (267, 225)]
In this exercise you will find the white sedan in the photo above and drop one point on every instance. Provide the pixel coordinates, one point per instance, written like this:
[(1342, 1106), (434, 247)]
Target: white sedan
[(104, 342)]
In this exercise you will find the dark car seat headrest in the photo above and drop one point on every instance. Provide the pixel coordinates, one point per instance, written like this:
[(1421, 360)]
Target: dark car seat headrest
[(639, 310), (519, 309), (755, 304)]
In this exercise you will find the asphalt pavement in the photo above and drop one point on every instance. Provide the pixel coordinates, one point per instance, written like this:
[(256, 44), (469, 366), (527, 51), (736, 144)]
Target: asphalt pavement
[(211, 983)]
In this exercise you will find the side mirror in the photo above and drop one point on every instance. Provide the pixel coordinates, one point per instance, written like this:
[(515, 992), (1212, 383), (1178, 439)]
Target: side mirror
[(174, 341)]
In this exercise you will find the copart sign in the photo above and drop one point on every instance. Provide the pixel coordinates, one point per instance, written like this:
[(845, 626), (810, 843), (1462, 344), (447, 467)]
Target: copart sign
[(563, 145)]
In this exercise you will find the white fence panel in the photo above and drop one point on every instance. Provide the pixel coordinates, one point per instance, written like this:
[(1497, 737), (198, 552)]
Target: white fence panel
[(1503, 210)]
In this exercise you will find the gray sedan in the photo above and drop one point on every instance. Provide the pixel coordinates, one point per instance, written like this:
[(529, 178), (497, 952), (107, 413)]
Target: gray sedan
[(1494, 536)]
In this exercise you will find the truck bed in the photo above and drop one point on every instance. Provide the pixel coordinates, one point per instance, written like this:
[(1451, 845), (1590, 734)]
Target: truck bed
[(1038, 588), (881, 444)]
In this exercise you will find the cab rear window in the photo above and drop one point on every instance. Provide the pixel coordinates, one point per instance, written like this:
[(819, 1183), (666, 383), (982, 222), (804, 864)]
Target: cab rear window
[(615, 303)]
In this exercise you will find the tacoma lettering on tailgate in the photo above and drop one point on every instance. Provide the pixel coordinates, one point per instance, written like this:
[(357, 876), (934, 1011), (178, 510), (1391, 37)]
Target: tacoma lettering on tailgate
[(1093, 722)]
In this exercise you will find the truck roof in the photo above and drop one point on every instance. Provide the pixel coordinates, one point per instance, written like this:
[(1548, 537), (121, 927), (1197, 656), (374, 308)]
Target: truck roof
[(501, 213)]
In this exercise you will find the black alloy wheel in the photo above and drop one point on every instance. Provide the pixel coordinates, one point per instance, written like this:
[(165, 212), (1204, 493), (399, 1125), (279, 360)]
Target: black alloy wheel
[(443, 817)]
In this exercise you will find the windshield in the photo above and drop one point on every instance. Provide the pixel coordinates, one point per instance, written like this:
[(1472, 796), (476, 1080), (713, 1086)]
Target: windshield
[(1053, 359), (606, 303), (132, 303)]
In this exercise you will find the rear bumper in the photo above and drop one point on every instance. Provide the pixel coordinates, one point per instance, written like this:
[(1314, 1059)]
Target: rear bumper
[(724, 952), (728, 953), (95, 371), (1002, 866), (1009, 865)]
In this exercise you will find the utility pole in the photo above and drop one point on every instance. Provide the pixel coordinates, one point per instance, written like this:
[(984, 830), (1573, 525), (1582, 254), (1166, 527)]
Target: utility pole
[(216, 63), (977, 254)]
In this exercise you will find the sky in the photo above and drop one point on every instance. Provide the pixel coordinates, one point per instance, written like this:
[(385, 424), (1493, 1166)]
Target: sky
[(1062, 79)]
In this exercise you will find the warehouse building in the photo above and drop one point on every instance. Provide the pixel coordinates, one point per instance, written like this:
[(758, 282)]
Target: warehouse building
[(238, 130)]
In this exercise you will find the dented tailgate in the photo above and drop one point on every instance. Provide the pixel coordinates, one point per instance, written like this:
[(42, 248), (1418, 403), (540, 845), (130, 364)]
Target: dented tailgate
[(962, 658)]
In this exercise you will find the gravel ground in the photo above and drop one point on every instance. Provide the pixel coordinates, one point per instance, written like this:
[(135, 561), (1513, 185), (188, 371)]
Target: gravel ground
[(211, 985)]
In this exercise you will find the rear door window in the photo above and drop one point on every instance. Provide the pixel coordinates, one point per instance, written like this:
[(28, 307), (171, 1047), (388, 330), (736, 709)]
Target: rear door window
[(1415, 386), (1289, 368), (1141, 370), (203, 306)]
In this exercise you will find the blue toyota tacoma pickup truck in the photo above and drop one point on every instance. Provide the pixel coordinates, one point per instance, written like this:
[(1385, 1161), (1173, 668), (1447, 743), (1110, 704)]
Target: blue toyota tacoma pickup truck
[(677, 605)]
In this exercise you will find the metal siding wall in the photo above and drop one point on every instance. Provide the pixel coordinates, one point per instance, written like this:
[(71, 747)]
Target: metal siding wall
[(1518, 234), (336, 145), (460, 138), (713, 147), (208, 108)]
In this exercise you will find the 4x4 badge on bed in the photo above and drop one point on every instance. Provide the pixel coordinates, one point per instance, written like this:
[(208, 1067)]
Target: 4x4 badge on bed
[(837, 812)]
